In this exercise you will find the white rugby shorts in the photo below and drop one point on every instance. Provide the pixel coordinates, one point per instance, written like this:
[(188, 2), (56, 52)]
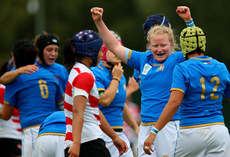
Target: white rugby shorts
[(165, 142), (209, 141), (29, 137), (49, 146)]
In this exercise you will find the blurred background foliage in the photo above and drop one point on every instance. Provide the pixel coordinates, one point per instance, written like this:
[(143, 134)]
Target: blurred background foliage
[(26, 18)]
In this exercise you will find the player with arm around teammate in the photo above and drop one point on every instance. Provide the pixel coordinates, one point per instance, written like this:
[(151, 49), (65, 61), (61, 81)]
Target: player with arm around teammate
[(34, 95), (48, 46), (10, 76)]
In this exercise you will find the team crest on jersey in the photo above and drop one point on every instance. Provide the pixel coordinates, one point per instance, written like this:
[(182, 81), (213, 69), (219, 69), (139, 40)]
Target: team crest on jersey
[(146, 69), (161, 68)]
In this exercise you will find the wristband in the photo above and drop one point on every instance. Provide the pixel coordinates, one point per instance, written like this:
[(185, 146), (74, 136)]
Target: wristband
[(190, 23), (155, 130), (116, 79)]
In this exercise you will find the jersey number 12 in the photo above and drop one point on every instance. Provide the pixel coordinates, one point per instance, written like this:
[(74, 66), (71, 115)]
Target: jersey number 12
[(214, 79)]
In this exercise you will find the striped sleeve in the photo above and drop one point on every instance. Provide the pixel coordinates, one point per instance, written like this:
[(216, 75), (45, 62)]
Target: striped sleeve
[(83, 84)]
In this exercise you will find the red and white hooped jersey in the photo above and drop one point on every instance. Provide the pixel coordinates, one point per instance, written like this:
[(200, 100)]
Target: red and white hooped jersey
[(82, 82), (9, 128)]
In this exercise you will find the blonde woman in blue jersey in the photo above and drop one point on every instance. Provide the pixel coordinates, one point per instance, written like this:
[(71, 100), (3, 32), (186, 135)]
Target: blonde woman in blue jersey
[(198, 87), (156, 69), (111, 84), (159, 19)]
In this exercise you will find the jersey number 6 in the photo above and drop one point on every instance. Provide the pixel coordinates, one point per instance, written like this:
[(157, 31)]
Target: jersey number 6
[(43, 88)]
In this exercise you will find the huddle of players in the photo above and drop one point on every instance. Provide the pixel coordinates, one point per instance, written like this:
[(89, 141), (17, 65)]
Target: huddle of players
[(82, 117)]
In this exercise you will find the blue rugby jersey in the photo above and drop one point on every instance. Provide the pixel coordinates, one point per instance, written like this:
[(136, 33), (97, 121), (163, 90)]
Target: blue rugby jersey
[(136, 75), (204, 81), (35, 96), (55, 124), (156, 81), (113, 113), (59, 71)]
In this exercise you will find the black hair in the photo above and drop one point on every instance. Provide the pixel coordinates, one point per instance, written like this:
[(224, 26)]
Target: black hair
[(68, 53), (70, 57), (6, 66), (3, 68), (24, 53), (198, 50)]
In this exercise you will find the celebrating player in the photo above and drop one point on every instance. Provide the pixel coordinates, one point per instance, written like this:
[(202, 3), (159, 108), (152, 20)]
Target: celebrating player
[(198, 87)]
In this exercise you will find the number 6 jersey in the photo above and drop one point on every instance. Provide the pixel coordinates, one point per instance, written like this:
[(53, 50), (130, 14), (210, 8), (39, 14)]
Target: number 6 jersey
[(34, 95)]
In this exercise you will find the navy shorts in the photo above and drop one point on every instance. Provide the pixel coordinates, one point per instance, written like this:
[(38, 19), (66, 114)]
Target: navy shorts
[(10, 147), (95, 148)]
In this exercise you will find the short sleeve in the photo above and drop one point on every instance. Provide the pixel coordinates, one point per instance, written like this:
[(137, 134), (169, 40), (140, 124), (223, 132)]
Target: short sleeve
[(10, 93), (83, 84), (134, 58), (179, 79)]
